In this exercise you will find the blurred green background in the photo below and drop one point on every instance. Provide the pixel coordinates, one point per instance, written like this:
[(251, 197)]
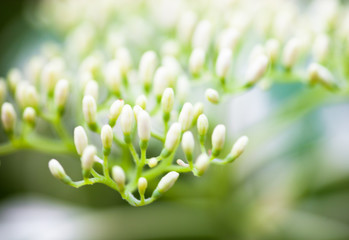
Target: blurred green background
[(292, 183)]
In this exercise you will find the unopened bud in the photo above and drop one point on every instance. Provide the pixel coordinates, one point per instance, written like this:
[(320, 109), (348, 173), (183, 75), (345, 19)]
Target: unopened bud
[(239, 147), (91, 89), (166, 183), (8, 117), (202, 125), (318, 73), (173, 137), (87, 159), (223, 62), (113, 76), (14, 77), (181, 163), (256, 69), (188, 143), (29, 115), (80, 139), (162, 80), (152, 162), (124, 57), (291, 53), (61, 93), (142, 185), (31, 97), (115, 111), (57, 171), (272, 48), (218, 139), (147, 67), (202, 35), (107, 137), (212, 95), (142, 101), (167, 102), (186, 26), (196, 61), (119, 177), (198, 110), (126, 120), (321, 47), (89, 109), (144, 126), (202, 164), (186, 116)]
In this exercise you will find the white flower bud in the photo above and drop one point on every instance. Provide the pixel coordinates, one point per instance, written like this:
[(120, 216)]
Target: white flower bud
[(51, 72), (88, 157), (181, 163), (318, 73), (212, 95), (56, 169), (80, 139), (34, 68), (229, 39), (92, 65), (183, 89), (223, 62), (61, 93), (202, 35), (188, 143), (113, 76), (124, 57), (14, 77), (144, 126), (115, 110), (107, 136), (89, 109), (174, 69), (91, 89), (202, 164), (202, 125), (186, 26), (167, 182), (8, 117), (239, 147), (142, 185), (291, 53), (196, 61), (218, 139), (29, 115), (142, 101), (256, 69), (152, 162), (162, 80), (167, 100), (147, 67), (126, 119), (272, 48), (119, 177), (137, 109), (186, 116), (172, 137), (31, 96), (2, 90)]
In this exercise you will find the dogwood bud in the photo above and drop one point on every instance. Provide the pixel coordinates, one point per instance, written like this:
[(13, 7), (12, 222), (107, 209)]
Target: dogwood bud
[(136, 110), (51, 72), (87, 159), (144, 126), (107, 137), (61, 93), (272, 48), (202, 125), (186, 116), (124, 57), (119, 177), (196, 61), (172, 137), (218, 139), (152, 162), (201, 164), (147, 67), (30, 97), (223, 62), (80, 139), (256, 69), (162, 80), (188, 143), (167, 102), (142, 101), (57, 171), (202, 35), (89, 109), (318, 73), (8, 117), (142, 185), (239, 147), (212, 95), (113, 76), (181, 163), (198, 110), (29, 115), (126, 120), (165, 183), (115, 111)]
